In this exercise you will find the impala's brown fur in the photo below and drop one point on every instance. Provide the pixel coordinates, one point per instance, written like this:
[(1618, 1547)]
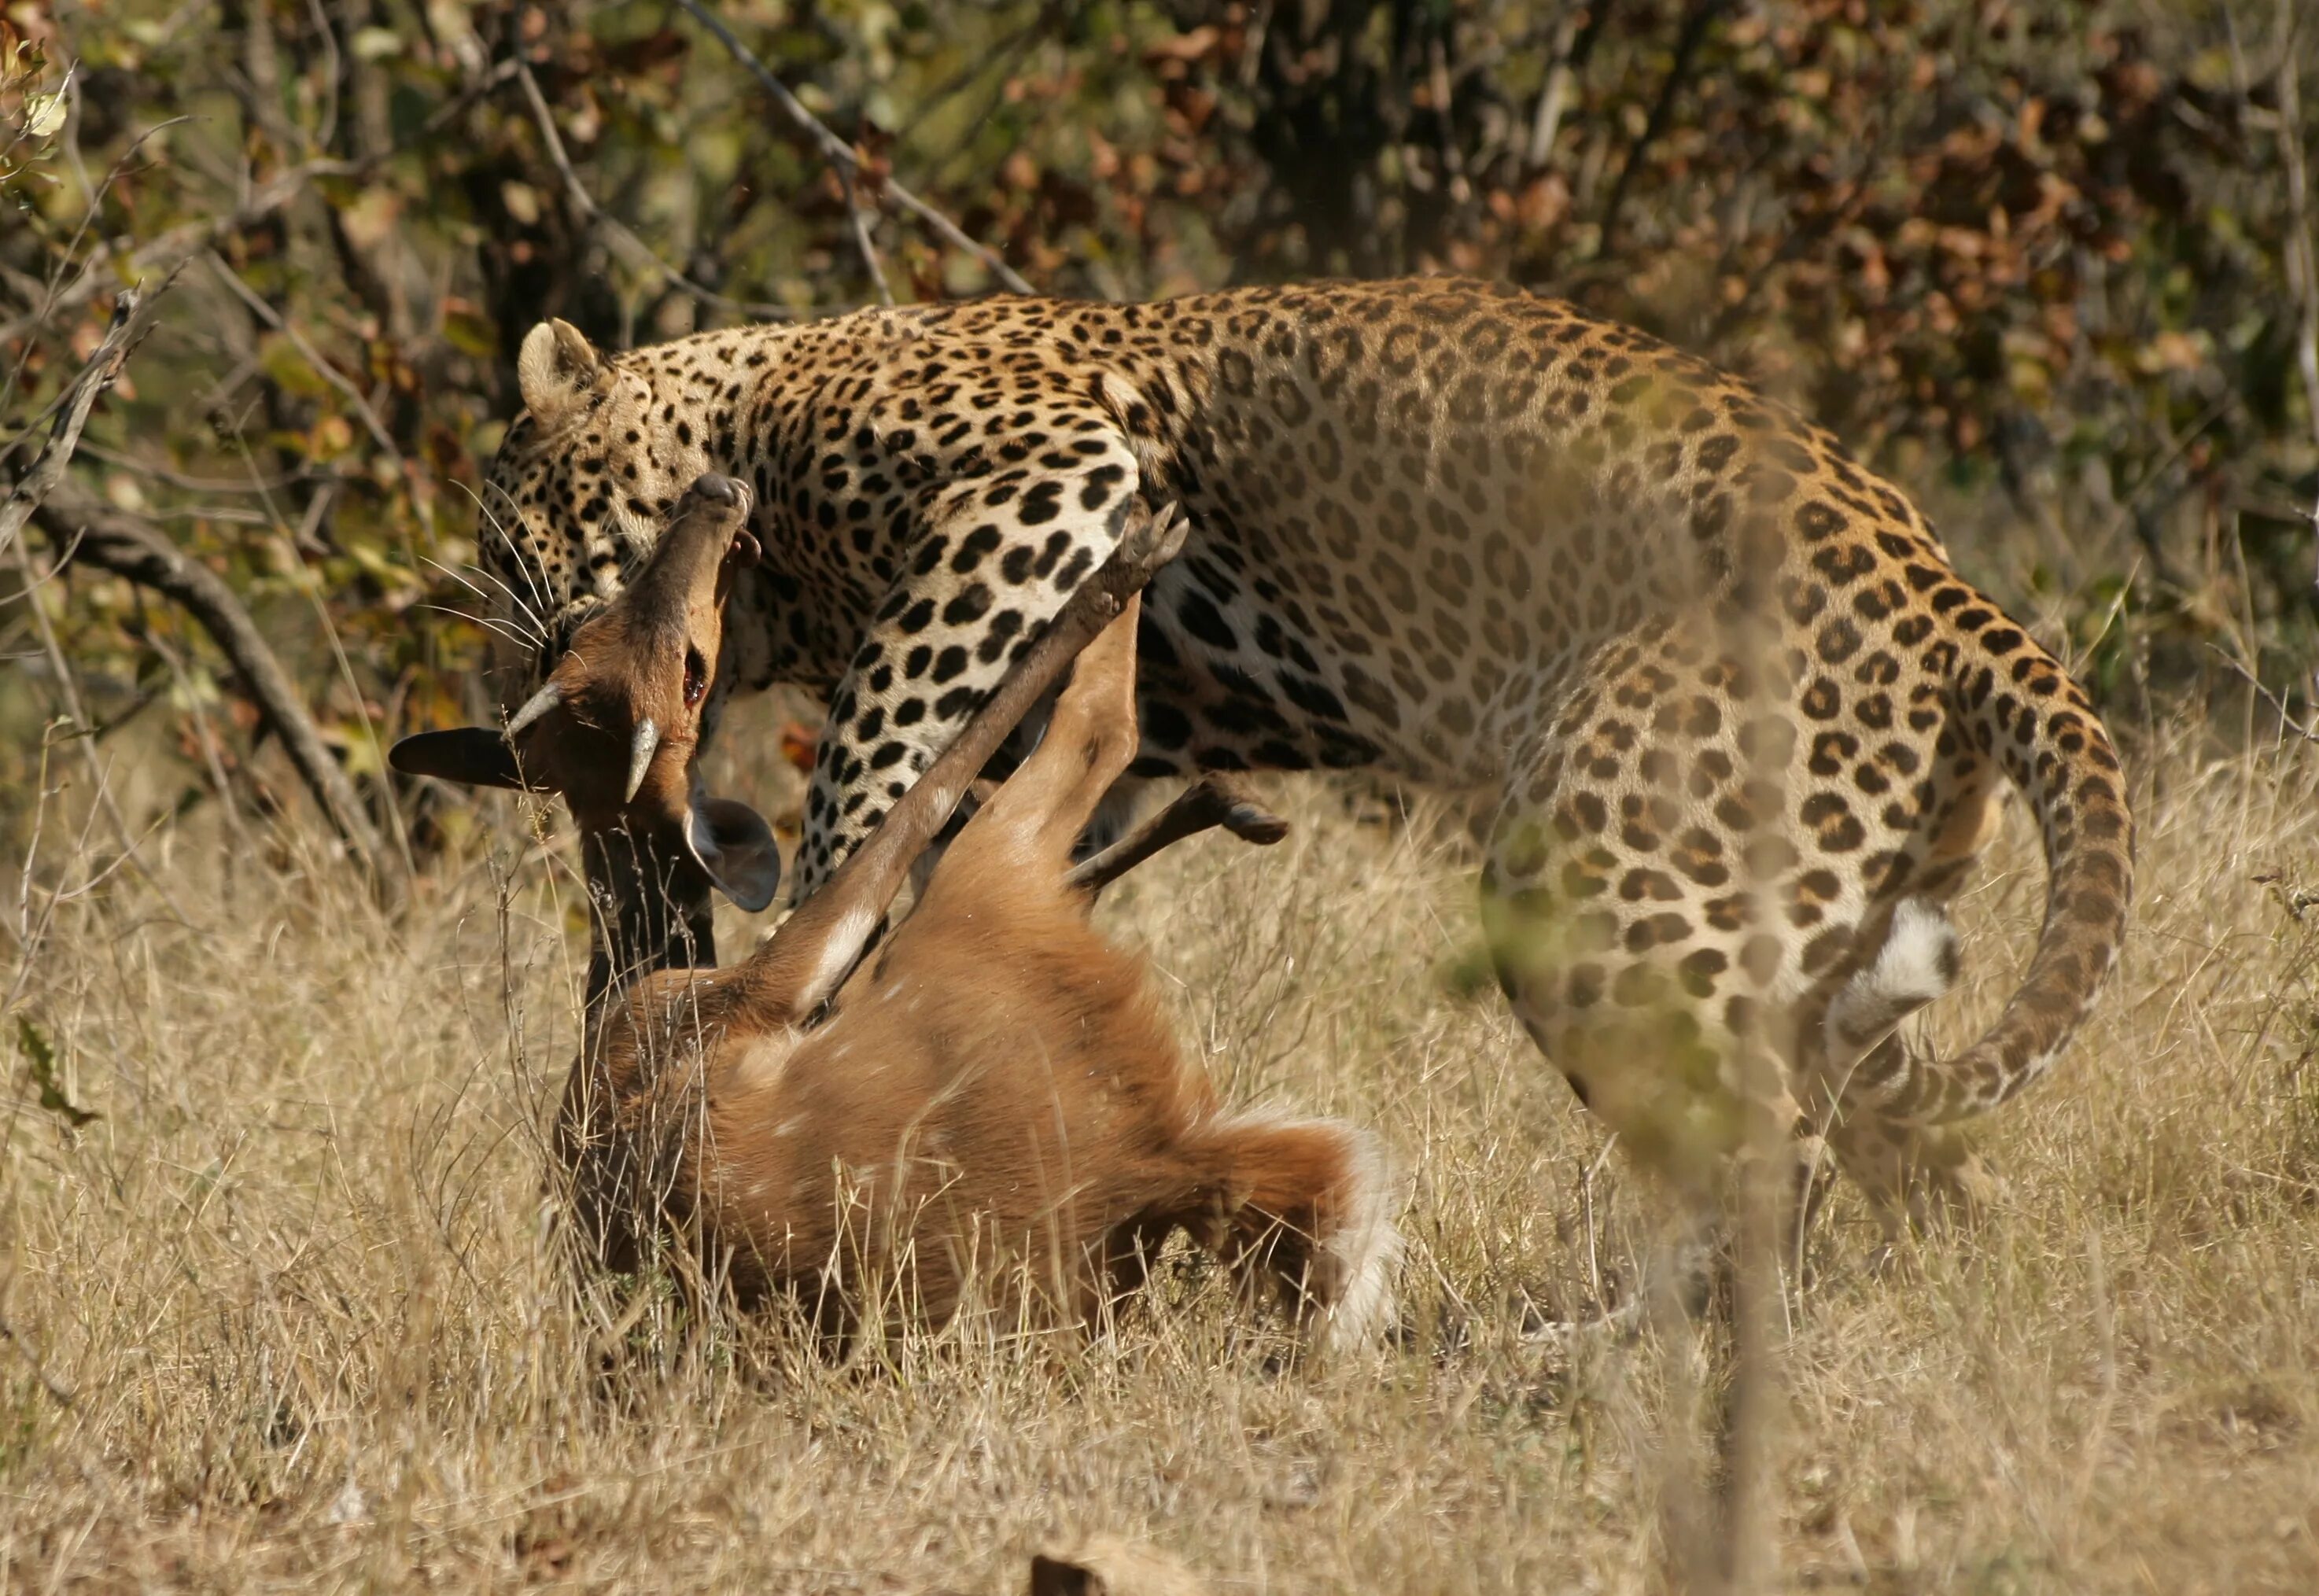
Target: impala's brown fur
[(997, 1091)]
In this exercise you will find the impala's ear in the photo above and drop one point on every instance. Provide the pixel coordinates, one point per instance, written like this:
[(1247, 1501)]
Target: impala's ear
[(472, 756), (557, 370), (732, 842)]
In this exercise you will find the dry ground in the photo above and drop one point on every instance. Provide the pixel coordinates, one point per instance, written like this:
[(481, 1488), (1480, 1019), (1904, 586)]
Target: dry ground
[(283, 1318)]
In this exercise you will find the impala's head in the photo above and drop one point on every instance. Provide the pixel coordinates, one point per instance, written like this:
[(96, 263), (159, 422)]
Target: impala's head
[(616, 729)]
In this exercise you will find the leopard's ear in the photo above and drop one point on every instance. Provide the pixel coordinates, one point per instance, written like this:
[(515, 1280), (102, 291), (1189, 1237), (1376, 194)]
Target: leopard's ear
[(558, 370)]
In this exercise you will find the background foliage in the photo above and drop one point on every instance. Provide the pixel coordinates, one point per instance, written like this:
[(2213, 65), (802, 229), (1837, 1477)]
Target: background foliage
[(2039, 259), (274, 1308)]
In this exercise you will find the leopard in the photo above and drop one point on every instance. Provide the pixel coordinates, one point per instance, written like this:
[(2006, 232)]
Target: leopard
[(1741, 728)]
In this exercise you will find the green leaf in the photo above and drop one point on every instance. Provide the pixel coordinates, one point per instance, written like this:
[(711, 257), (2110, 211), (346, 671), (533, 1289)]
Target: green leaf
[(280, 359), (41, 1058), (471, 332), (375, 44), (44, 114)]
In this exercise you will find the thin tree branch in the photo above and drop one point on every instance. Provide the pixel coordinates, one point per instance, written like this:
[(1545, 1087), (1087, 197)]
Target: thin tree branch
[(585, 204), (863, 244), (1555, 96), (2301, 264), (314, 357), (85, 727), (846, 158), (45, 291), (180, 244), (132, 547), (132, 317), (2278, 704), (205, 484), (173, 248)]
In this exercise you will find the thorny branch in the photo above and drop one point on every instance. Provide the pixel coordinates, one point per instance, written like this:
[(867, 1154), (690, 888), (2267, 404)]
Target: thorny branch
[(848, 160)]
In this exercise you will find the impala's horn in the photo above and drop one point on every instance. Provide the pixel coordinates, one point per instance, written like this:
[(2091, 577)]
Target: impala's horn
[(640, 753), (537, 705)]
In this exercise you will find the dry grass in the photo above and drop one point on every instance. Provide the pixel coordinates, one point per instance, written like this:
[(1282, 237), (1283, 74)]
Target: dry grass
[(292, 1295)]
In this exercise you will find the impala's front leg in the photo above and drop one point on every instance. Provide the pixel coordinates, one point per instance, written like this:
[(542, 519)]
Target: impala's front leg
[(998, 557)]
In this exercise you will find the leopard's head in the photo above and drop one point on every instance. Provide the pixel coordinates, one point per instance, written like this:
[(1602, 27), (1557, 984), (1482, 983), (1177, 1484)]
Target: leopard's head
[(584, 476)]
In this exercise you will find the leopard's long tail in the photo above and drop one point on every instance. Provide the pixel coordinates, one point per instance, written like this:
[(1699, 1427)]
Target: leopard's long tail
[(2013, 702)]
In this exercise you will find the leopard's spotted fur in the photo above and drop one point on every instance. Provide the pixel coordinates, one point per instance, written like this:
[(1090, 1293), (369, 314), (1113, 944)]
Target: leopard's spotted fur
[(1464, 535)]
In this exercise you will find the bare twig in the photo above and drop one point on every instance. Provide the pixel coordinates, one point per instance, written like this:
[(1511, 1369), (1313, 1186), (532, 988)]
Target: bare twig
[(2279, 707), (846, 158), (57, 1392), (101, 799), (204, 485), (130, 547), (1555, 98), (47, 289), (585, 204), (173, 248), (864, 244), (132, 317)]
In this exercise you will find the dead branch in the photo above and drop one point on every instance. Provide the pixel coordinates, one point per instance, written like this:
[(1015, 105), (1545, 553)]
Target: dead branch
[(132, 317), (864, 244), (1561, 78), (847, 160), (130, 547), (172, 249)]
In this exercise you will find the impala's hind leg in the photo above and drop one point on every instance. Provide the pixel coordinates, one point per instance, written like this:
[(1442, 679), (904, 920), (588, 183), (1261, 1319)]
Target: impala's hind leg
[(1214, 799), (815, 949), (1090, 739), (1913, 1175)]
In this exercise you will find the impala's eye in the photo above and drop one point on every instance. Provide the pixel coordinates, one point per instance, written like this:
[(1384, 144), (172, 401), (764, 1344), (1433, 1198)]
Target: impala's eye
[(696, 677)]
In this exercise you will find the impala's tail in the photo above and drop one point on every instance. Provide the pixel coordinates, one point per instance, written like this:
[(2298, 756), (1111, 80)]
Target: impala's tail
[(1311, 1205), (2015, 704)]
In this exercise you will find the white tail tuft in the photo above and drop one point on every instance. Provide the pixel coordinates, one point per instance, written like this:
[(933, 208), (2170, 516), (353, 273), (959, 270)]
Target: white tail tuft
[(1332, 1183), (1917, 964), (1366, 1246)]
